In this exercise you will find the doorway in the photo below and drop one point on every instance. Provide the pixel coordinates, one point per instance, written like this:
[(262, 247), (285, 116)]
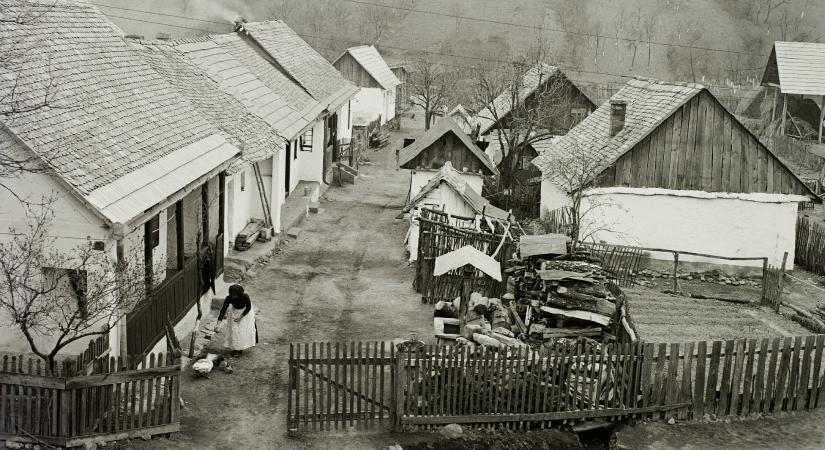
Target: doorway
[(287, 167)]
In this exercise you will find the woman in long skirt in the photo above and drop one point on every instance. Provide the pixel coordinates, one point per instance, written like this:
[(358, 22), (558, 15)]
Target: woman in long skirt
[(241, 331)]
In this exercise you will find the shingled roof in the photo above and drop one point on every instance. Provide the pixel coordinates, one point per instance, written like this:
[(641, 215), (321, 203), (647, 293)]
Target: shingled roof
[(369, 58), (231, 62), (452, 178), (444, 126), (797, 67), (257, 139), (649, 103), (110, 113), (301, 62)]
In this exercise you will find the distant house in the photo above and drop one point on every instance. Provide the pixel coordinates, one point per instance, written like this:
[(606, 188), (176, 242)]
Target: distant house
[(365, 67), (443, 143), (673, 169), (402, 92), (525, 170), (796, 70), (538, 79), (448, 191)]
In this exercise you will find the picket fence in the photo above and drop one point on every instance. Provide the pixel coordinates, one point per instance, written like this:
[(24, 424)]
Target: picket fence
[(432, 385), (79, 402), (437, 238), (810, 245)]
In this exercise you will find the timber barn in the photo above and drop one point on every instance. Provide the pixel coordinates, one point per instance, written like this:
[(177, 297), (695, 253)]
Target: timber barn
[(667, 166), (440, 144), (365, 67)]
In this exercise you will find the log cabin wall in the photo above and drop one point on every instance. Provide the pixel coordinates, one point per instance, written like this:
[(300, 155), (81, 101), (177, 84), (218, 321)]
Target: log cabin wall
[(702, 147), (354, 72), (447, 148)]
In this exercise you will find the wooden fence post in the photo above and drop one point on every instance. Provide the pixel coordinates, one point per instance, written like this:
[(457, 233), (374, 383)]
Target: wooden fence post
[(675, 271), (397, 402), (764, 280)]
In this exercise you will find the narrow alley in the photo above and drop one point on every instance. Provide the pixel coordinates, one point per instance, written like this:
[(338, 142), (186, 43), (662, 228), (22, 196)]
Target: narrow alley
[(345, 278)]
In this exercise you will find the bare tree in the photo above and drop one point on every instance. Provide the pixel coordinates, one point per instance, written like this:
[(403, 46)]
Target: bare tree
[(375, 21), (284, 9), (28, 84), (522, 118), (574, 171), (431, 86), (57, 297)]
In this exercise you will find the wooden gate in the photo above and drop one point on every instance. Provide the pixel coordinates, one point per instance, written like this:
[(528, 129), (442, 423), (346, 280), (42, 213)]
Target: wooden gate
[(621, 261), (338, 386)]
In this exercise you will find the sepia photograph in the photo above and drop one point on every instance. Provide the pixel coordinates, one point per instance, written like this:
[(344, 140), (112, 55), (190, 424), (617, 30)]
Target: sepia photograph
[(412, 224)]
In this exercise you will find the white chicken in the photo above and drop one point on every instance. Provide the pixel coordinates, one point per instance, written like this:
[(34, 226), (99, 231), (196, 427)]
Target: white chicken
[(204, 366)]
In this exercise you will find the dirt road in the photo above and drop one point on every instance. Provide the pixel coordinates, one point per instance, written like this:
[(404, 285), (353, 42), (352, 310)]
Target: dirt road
[(345, 278)]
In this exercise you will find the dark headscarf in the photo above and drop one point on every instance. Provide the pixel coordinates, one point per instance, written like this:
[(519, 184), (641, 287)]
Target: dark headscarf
[(235, 290)]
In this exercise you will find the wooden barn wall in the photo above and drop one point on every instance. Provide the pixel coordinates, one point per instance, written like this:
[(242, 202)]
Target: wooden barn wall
[(702, 147), (447, 148), (353, 71)]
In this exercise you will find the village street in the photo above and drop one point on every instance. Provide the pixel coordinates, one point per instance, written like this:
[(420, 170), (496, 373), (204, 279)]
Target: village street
[(344, 279)]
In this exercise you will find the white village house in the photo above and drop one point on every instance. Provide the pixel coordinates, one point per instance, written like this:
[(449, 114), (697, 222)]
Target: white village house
[(376, 98), (160, 148), (673, 169), (449, 192), (445, 142)]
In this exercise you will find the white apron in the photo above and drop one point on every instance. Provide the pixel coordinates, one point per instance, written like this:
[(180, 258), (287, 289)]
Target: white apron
[(239, 335)]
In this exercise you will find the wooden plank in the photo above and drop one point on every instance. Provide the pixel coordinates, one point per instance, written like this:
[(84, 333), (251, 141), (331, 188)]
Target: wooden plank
[(747, 388), (763, 163), (699, 387), (79, 382), (816, 377), (685, 393), (773, 178), (771, 375), (353, 381), (718, 150), (745, 172), (688, 139), (672, 391), (727, 154), (736, 379), (782, 376), (735, 167), (805, 375), (675, 147), (639, 163), (725, 381), (793, 379), (706, 158), (711, 406), (759, 384), (521, 417), (659, 382), (314, 369)]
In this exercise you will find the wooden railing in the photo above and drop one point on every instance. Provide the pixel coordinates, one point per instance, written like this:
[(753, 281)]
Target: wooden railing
[(169, 301), (68, 407)]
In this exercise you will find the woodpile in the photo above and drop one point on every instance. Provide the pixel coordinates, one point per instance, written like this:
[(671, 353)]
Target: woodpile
[(378, 138), (250, 233), (562, 298)]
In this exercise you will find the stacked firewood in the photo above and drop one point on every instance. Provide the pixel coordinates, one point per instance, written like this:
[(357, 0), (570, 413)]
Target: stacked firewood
[(488, 323), (561, 299)]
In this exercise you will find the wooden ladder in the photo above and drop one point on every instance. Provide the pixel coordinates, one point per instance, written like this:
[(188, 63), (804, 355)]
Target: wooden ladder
[(262, 191)]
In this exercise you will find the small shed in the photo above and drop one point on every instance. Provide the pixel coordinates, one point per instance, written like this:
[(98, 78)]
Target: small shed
[(672, 168), (797, 71), (448, 191), (402, 94), (365, 67), (440, 144)]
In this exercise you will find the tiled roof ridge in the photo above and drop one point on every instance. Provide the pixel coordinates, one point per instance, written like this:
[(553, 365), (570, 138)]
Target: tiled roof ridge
[(655, 81)]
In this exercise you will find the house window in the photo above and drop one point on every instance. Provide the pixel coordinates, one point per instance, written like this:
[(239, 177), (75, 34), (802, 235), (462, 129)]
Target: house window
[(70, 283), (243, 181), (306, 141), (525, 162), (578, 114), (153, 231)]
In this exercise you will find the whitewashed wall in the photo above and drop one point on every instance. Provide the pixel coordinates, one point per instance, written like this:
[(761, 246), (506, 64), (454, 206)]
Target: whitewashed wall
[(420, 178), (552, 197), (746, 225), (368, 104), (344, 121)]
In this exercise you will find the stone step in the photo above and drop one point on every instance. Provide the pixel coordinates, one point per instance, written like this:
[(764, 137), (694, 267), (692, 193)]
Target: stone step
[(315, 207), (293, 232)]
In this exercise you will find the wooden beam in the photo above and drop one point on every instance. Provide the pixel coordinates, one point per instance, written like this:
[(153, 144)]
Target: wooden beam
[(821, 116), (179, 230), (221, 202), (784, 113)]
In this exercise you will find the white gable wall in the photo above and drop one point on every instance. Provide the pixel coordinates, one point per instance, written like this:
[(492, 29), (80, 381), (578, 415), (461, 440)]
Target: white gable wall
[(714, 226), (369, 103), (420, 178)]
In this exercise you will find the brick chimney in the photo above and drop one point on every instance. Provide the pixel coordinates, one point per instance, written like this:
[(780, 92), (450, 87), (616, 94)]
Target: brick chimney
[(618, 111)]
